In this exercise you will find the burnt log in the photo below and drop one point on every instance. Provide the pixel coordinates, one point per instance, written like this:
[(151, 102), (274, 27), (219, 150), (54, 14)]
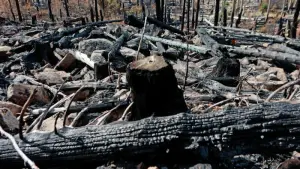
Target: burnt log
[(133, 21), (154, 88), (214, 136), (210, 43)]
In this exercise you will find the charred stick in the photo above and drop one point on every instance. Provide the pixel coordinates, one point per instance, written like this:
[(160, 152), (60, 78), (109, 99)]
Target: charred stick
[(21, 121)]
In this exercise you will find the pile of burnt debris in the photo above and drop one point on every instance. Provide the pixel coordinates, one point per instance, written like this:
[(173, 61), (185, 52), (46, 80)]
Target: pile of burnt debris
[(134, 95)]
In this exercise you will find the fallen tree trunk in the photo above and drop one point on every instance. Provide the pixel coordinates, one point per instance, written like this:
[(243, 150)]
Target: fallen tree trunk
[(194, 48), (266, 129)]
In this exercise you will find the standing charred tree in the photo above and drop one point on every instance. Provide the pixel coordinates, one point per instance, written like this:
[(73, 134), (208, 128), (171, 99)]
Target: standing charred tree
[(268, 11), (19, 11), (66, 8), (193, 13), (50, 11), (295, 20), (91, 11), (183, 14), (217, 8), (197, 12), (224, 17), (96, 10), (159, 15), (232, 13), (11, 10), (188, 15), (101, 10)]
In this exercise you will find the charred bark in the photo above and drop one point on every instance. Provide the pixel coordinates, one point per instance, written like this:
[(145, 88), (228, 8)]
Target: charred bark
[(66, 8), (227, 72), (50, 11), (154, 88), (11, 10), (96, 10), (210, 136), (18, 10), (295, 20), (217, 8)]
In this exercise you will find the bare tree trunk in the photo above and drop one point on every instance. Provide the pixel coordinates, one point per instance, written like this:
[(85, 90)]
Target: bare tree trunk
[(96, 10), (295, 20), (11, 10), (232, 13), (197, 13), (19, 11), (268, 10), (66, 8), (217, 8), (50, 11)]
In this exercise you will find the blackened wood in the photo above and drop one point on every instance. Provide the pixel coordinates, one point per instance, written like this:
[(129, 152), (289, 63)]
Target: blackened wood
[(101, 10), (18, 10), (232, 13), (219, 135), (214, 46), (228, 69), (133, 21), (268, 11), (66, 8), (96, 10), (217, 10), (33, 20), (280, 27), (50, 11), (193, 14), (188, 15), (11, 10), (158, 10), (295, 20), (224, 17), (154, 88), (238, 21), (183, 15), (162, 5), (197, 13)]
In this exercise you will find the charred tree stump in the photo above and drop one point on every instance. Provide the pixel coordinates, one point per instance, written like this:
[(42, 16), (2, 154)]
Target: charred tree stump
[(154, 88), (18, 10), (33, 20), (227, 72)]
